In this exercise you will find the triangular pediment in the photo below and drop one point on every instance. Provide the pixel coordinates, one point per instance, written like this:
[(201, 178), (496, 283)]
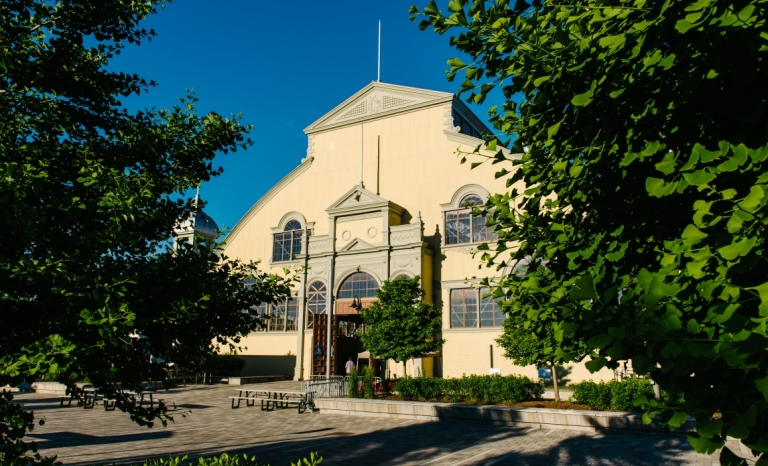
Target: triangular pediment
[(356, 244), (357, 197), (376, 100)]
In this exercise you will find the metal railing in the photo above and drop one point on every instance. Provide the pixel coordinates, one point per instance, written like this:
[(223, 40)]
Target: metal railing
[(326, 387)]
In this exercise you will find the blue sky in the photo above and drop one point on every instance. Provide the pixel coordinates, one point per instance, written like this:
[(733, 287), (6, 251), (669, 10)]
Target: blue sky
[(282, 65)]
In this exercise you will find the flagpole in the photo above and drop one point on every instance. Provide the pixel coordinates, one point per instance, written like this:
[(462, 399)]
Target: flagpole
[(378, 75)]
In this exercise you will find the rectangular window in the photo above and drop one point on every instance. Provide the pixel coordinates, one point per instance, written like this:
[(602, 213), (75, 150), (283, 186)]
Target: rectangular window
[(490, 314), (464, 308), (471, 306), (287, 245), (277, 317), (290, 323), (263, 317), (281, 250), (457, 226)]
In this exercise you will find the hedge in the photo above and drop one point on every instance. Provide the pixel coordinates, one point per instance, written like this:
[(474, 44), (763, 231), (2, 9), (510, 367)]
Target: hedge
[(618, 396), (224, 364), (473, 388), (223, 460)]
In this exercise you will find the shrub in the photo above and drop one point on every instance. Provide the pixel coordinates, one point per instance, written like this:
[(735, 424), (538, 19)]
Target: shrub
[(368, 377), (353, 389), (224, 364), (618, 396), (225, 460), (473, 388)]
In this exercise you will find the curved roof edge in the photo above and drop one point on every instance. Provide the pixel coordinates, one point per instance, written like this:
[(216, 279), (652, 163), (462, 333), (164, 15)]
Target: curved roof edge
[(267, 197)]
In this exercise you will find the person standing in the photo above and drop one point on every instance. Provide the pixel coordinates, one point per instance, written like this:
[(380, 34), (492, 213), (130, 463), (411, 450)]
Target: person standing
[(349, 365)]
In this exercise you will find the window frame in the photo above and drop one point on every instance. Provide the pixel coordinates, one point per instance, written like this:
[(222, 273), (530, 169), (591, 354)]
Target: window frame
[(479, 301), (489, 234), (317, 292), (346, 280), (277, 322), (292, 238)]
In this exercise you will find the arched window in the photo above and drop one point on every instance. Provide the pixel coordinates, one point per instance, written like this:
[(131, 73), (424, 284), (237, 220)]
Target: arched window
[(463, 227), (358, 284), (287, 244), (402, 275), (316, 301)]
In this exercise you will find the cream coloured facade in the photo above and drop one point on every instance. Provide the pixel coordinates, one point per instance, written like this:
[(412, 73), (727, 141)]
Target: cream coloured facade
[(380, 193)]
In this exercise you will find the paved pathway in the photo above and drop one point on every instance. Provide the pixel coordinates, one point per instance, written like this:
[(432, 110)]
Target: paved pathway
[(278, 437)]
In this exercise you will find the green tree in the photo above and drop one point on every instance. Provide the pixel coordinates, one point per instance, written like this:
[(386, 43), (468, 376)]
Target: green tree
[(399, 325), (526, 346), (640, 190), (89, 196)]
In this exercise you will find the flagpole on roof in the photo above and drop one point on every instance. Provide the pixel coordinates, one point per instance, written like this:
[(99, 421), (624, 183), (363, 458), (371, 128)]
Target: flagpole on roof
[(378, 75)]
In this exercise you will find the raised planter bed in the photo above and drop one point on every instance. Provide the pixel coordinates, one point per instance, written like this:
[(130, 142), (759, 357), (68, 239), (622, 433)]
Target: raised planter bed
[(544, 418), (255, 379)]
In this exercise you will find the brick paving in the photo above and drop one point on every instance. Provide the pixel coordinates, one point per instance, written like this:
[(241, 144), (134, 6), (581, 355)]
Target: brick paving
[(79, 436)]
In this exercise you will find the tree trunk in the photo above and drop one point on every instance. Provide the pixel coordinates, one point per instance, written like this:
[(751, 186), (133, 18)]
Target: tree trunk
[(405, 368), (554, 382)]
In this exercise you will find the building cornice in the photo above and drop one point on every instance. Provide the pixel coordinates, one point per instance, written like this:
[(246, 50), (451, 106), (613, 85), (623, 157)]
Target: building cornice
[(421, 98)]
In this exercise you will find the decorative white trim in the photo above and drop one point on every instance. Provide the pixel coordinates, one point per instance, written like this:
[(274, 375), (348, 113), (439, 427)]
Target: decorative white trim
[(287, 179), (341, 278), (463, 192), (378, 100), (498, 329), (287, 218), (352, 218)]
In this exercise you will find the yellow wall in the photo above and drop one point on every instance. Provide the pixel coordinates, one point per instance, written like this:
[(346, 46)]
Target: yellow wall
[(361, 229), (468, 351)]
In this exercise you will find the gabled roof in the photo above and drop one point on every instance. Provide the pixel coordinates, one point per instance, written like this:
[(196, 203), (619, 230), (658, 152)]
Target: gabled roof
[(376, 100), (359, 198)]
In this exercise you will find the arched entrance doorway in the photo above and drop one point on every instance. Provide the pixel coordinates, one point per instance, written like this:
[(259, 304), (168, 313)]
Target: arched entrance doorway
[(356, 290)]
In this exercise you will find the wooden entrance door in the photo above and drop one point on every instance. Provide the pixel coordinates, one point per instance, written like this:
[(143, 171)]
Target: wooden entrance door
[(319, 341)]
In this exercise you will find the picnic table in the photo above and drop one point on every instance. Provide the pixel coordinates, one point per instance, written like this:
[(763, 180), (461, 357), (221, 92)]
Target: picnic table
[(142, 394), (274, 398)]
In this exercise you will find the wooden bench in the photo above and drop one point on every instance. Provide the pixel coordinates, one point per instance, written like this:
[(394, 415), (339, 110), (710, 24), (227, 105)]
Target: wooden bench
[(109, 404)]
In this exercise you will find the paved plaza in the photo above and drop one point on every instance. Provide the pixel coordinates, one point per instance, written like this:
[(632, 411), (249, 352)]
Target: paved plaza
[(80, 436)]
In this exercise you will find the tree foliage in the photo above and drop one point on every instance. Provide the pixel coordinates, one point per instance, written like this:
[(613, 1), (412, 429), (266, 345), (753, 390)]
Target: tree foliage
[(89, 195), (399, 325), (639, 195), (526, 346)]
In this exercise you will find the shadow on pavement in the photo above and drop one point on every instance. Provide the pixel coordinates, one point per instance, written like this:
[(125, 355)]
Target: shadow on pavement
[(66, 439)]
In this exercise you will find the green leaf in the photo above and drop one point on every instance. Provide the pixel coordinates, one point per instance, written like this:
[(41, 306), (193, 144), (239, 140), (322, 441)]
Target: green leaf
[(762, 386), (667, 164), (692, 235), (702, 444), (753, 199), (699, 177), (581, 100), (683, 26), (657, 188), (596, 364), (692, 327), (552, 130), (583, 288), (737, 248)]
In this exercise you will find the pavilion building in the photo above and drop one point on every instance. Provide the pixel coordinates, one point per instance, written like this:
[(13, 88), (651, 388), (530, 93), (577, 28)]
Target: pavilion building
[(381, 193)]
